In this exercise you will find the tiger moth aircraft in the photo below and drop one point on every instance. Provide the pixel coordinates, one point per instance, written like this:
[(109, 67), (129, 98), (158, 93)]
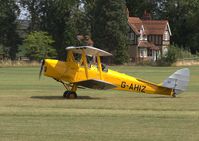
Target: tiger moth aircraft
[(76, 72)]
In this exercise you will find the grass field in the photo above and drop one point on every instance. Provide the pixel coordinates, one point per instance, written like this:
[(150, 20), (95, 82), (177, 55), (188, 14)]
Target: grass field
[(35, 110)]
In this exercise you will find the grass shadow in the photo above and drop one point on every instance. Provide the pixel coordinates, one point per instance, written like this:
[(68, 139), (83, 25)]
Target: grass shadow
[(166, 97), (155, 97), (62, 98)]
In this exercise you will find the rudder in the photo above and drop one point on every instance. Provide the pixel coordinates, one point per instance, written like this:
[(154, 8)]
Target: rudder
[(178, 81)]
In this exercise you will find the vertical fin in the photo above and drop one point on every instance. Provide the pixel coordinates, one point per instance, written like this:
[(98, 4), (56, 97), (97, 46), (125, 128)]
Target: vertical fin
[(178, 81)]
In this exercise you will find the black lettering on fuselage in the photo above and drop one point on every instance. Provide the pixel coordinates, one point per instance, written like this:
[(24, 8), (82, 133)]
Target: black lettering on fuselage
[(137, 88), (143, 89), (123, 84), (133, 87)]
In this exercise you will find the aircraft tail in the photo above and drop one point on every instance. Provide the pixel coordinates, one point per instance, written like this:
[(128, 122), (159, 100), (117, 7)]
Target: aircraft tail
[(178, 81)]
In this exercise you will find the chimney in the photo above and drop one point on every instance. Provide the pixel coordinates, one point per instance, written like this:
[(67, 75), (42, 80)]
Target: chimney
[(147, 15), (127, 12)]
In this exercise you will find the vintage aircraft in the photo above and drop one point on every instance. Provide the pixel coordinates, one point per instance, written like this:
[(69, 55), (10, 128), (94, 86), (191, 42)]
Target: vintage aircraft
[(77, 72)]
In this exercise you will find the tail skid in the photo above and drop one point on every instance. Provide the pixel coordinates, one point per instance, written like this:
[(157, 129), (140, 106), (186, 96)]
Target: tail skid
[(178, 81)]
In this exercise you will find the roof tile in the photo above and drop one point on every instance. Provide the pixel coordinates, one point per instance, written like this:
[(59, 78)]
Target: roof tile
[(152, 27)]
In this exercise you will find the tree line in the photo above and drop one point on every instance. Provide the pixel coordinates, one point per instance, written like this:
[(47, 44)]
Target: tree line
[(105, 21)]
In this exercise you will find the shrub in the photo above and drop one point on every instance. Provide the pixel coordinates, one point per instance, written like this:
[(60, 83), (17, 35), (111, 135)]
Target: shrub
[(174, 53), (37, 45)]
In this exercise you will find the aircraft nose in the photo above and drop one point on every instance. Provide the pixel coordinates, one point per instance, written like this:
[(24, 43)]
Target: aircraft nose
[(41, 68), (47, 66), (50, 68)]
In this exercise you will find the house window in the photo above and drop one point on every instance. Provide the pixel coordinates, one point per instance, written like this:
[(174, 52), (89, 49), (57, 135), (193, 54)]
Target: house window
[(160, 40), (156, 39), (149, 52), (153, 38), (131, 36), (145, 37), (143, 52), (150, 38)]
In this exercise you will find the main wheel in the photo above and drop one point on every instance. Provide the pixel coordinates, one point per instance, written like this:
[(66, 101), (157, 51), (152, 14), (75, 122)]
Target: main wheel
[(70, 95), (66, 94), (174, 95), (73, 95)]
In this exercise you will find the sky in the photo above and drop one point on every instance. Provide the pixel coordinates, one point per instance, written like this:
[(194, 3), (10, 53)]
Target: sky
[(24, 14)]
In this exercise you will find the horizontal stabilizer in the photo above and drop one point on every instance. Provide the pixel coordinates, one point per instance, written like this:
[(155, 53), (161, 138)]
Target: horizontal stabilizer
[(178, 80), (96, 84)]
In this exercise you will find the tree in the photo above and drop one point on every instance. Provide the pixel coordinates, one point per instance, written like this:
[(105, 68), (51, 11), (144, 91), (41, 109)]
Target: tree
[(33, 8), (8, 35), (110, 28), (38, 45), (59, 21), (137, 7), (174, 53), (58, 18), (89, 15), (193, 37), (180, 14)]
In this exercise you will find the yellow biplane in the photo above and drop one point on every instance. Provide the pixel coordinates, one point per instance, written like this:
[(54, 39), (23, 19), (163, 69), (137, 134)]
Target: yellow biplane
[(78, 72)]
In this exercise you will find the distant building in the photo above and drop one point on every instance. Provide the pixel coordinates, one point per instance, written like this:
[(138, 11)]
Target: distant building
[(149, 39), (22, 27)]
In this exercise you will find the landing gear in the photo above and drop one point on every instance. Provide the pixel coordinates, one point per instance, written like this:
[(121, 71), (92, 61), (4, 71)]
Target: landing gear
[(70, 95), (173, 95), (70, 92)]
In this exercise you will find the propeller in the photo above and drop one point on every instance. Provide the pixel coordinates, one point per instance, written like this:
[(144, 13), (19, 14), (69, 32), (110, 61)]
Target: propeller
[(41, 69)]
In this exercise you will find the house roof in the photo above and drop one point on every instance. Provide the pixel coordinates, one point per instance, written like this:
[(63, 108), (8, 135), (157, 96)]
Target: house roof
[(155, 27), (135, 23), (146, 44), (151, 27)]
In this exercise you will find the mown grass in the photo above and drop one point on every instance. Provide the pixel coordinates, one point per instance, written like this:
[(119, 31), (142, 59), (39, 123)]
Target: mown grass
[(35, 110)]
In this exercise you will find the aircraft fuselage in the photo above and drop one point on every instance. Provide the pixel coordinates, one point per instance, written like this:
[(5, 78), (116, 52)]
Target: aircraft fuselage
[(73, 72)]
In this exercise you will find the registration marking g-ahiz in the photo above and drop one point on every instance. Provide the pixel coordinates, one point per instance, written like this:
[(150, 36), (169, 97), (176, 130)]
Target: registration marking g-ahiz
[(133, 87)]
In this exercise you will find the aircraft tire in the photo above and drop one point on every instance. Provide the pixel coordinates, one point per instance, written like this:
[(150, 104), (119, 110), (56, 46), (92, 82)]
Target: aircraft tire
[(73, 95), (70, 95), (174, 95), (66, 94)]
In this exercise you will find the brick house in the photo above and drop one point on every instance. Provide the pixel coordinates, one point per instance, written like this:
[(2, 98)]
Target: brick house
[(149, 39)]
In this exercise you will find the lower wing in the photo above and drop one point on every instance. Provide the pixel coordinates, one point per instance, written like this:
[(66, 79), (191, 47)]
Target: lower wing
[(95, 84)]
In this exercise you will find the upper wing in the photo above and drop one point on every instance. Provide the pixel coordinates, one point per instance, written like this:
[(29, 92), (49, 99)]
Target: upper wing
[(91, 51), (96, 84)]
